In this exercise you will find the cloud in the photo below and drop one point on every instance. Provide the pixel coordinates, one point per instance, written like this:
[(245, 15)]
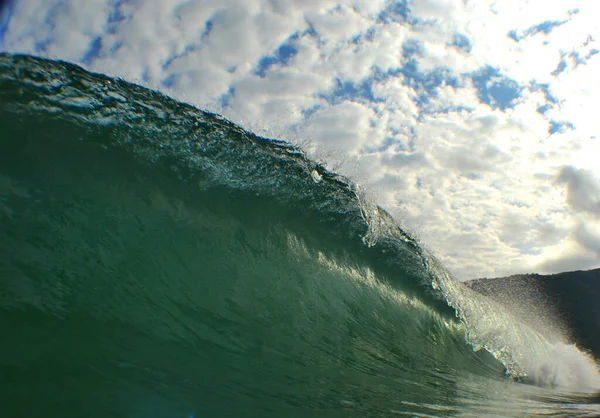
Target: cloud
[(589, 237), (473, 122), (570, 262), (583, 190)]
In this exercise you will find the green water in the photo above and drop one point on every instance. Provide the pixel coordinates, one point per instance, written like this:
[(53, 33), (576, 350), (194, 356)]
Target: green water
[(159, 261)]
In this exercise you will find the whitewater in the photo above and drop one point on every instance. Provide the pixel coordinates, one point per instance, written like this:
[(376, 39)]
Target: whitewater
[(157, 260)]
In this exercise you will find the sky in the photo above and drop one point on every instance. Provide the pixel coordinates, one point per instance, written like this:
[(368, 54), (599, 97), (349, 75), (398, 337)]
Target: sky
[(473, 122)]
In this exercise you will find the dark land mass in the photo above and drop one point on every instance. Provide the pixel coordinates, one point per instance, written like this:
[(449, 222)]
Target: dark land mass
[(569, 300)]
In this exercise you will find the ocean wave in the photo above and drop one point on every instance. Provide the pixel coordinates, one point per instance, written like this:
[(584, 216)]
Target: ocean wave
[(172, 261)]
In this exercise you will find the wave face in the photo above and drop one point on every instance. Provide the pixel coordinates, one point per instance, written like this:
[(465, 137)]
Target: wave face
[(159, 261)]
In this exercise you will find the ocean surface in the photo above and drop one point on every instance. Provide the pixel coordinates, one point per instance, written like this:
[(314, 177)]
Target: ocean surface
[(160, 261)]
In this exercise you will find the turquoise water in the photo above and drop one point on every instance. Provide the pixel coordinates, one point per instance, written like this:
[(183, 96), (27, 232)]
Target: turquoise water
[(159, 261)]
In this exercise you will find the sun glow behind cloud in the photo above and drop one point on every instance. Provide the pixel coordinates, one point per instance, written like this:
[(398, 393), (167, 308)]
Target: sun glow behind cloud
[(473, 122)]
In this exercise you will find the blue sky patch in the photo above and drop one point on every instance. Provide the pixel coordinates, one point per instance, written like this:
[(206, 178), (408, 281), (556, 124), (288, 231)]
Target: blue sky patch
[(398, 143), (146, 75), (282, 56), (495, 89), (366, 36), (226, 97), (353, 91), (577, 58), (395, 11), (514, 35), (462, 42), (545, 88), (169, 81), (545, 27), (542, 109), (425, 83), (550, 99), (307, 112), (93, 50), (411, 48), (116, 15), (208, 27), (562, 66), (6, 10), (42, 45), (399, 140), (560, 127)]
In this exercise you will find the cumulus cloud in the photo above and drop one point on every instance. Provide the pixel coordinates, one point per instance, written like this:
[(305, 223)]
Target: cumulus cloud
[(589, 237), (583, 189), (473, 122)]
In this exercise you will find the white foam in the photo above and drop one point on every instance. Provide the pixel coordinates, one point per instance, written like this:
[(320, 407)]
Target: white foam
[(529, 354), (565, 366)]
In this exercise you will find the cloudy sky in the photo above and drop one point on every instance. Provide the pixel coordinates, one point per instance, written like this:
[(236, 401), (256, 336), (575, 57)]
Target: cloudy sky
[(475, 122)]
